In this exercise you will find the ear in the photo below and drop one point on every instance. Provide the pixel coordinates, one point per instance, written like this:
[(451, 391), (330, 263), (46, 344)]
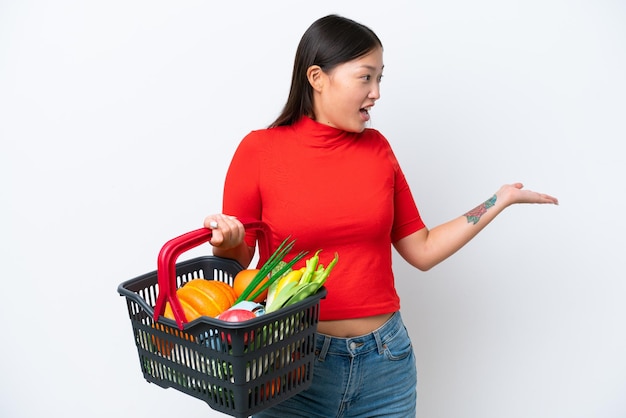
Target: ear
[(315, 75)]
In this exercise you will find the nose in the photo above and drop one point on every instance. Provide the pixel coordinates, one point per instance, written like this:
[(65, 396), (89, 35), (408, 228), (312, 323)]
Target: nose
[(375, 92)]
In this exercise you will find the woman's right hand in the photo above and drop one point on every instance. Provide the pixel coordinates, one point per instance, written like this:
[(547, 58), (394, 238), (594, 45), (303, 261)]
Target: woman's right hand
[(228, 231)]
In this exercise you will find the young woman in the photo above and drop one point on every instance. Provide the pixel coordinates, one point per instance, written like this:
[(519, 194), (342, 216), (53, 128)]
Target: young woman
[(319, 175)]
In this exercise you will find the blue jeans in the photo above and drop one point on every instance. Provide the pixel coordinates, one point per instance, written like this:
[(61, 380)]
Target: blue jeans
[(373, 375)]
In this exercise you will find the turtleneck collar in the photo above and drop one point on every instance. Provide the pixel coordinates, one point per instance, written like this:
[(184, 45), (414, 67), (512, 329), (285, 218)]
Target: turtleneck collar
[(317, 134)]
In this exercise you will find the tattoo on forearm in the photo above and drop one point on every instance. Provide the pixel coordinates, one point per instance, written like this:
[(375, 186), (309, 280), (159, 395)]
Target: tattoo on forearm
[(473, 216)]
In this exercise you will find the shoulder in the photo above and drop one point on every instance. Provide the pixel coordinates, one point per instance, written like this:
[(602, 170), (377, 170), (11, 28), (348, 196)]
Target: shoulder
[(263, 136), (262, 142), (379, 143), (374, 138), (258, 138)]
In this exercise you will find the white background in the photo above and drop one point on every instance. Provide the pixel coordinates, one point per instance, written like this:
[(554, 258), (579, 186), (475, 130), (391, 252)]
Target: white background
[(118, 120)]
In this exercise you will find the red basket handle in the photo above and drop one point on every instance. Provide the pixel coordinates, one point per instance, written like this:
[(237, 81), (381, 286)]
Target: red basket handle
[(166, 273)]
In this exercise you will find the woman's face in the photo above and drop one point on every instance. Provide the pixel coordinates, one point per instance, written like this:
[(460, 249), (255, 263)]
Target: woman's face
[(345, 95)]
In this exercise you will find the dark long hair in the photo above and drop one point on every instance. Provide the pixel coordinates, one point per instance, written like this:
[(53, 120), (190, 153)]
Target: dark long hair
[(328, 42)]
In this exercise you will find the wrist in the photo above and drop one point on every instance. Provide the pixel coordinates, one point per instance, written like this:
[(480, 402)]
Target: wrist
[(474, 215)]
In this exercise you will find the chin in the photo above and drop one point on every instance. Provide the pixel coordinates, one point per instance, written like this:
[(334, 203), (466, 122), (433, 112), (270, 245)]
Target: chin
[(355, 128), (360, 128)]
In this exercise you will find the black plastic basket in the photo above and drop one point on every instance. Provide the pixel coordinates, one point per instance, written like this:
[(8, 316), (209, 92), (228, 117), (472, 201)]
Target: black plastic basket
[(236, 368)]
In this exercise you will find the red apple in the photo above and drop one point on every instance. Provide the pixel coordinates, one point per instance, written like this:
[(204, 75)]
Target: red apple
[(236, 315)]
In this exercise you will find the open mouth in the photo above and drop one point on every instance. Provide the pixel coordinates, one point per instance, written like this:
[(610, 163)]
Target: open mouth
[(365, 113)]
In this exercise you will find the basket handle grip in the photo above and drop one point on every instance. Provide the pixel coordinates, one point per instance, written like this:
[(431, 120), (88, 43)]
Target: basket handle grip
[(166, 272)]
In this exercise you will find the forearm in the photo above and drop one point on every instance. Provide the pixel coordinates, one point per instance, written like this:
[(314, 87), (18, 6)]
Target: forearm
[(446, 239), (427, 248), (242, 253)]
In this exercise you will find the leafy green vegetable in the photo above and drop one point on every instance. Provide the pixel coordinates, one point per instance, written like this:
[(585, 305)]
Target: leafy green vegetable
[(272, 269)]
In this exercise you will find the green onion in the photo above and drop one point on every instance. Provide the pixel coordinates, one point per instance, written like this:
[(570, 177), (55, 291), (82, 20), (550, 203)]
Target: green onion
[(265, 270)]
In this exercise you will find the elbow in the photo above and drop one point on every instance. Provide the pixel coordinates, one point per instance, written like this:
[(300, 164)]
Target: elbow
[(414, 250), (421, 266), (421, 263), (424, 262)]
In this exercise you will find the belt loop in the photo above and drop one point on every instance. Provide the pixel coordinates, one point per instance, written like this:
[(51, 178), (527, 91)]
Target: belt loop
[(379, 342), (324, 349)]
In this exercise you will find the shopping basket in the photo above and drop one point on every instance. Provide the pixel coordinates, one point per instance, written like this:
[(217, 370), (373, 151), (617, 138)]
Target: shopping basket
[(236, 368)]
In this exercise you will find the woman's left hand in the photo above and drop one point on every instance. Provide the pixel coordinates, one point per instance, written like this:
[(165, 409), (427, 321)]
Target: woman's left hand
[(515, 193)]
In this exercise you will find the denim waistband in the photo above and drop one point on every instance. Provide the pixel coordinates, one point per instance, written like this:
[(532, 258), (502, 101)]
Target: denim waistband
[(362, 344)]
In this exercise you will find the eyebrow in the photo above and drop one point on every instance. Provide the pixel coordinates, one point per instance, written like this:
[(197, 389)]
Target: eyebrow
[(372, 68)]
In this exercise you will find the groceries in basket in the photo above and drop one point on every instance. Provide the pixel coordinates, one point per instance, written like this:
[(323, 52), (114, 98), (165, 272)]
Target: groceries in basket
[(273, 286), (196, 333)]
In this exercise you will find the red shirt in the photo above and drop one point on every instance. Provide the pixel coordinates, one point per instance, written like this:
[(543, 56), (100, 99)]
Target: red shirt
[(332, 190)]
